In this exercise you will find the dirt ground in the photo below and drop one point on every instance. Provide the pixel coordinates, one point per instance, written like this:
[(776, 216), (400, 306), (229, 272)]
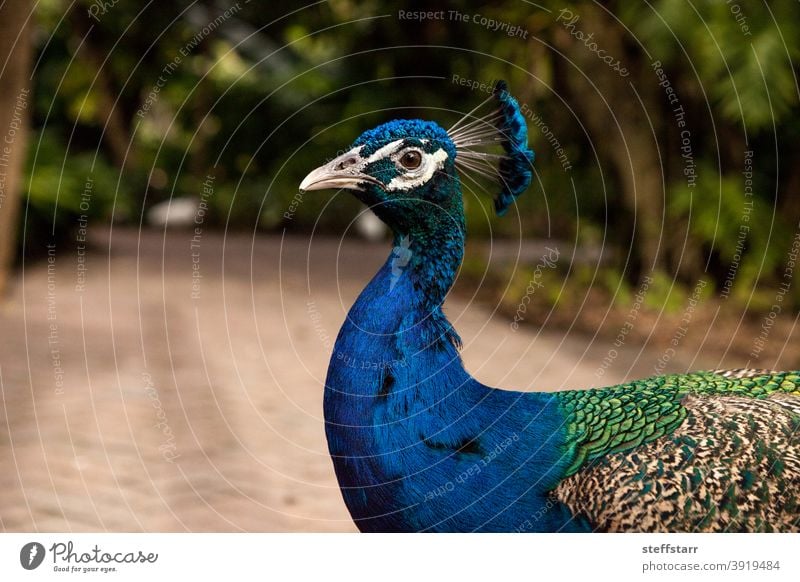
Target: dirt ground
[(171, 383)]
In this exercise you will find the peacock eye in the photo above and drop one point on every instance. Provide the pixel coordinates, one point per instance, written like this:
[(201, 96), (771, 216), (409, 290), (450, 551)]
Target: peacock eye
[(411, 160)]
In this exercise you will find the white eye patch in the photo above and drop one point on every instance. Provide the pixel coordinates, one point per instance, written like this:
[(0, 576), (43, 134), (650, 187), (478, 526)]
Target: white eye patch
[(352, 163), (408, 179)]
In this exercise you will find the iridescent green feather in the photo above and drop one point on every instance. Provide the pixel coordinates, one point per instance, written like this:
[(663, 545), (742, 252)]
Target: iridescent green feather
[(618, 418)]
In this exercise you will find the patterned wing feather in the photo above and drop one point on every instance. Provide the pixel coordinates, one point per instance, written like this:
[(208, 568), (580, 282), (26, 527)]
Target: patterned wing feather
[(708, 451)]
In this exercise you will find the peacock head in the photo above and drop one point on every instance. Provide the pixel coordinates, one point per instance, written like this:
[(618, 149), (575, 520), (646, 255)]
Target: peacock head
[(401, 170), (408, 171)]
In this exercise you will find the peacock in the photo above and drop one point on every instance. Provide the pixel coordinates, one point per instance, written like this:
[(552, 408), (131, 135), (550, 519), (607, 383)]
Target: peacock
[(419, 445)]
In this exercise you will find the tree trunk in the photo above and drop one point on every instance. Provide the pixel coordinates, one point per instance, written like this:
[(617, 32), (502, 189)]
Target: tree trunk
[(15, 105), (110, 117)]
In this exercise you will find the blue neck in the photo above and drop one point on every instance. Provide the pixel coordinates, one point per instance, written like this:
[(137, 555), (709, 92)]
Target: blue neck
[(400, 310), (403, 417), (430, 262), (395, 333)]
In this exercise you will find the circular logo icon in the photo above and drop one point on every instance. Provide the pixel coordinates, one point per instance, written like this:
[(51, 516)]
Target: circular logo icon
[(31, 555)]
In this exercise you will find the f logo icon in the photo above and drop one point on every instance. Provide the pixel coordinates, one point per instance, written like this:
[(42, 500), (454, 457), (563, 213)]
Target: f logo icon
[(31, 555)]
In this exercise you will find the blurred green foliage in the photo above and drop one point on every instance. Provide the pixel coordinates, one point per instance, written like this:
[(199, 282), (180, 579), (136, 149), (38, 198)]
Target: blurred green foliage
[(148, 100)]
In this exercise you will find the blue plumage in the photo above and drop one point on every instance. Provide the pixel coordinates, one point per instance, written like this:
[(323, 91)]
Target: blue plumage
[(420, 445)]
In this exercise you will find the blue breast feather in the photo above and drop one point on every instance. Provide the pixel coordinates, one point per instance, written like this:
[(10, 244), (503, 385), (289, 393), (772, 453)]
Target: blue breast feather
[(420, 445)]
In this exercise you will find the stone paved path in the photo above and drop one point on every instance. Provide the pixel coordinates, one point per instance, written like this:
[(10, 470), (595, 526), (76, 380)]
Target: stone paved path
[(128, 404)]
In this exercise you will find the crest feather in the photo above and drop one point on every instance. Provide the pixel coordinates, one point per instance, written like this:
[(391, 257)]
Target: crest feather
[(504, 127)]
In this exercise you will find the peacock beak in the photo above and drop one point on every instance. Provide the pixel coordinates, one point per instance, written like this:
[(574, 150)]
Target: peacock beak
[(346, 171)]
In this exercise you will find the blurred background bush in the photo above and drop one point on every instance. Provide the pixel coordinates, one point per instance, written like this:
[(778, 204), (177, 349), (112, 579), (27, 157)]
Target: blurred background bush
[(147, 100)]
